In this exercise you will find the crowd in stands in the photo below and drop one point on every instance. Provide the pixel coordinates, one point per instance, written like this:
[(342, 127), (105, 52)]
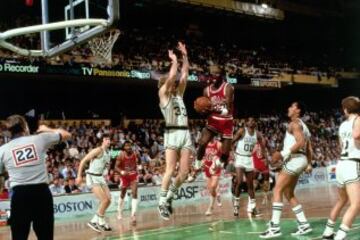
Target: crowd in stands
[(146, 49), (147, 138)]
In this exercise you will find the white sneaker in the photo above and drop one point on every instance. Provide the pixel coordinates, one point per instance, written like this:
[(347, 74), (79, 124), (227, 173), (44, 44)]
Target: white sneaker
[(302, 229), (273, 231)]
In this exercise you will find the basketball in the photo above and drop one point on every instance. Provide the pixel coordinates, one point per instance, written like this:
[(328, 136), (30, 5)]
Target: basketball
[(202, 104)]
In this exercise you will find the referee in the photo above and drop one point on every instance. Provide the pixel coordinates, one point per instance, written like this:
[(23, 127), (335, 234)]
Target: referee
[(24, 158)]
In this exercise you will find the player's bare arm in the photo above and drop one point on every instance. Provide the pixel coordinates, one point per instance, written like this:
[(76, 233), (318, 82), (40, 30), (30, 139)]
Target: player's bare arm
[(238, 135), (297, 131), (356, 132), (88, 157), (185, 68), (164, 90)]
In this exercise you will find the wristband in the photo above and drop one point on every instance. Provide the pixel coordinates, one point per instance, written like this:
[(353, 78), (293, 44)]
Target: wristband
[(224, 111)]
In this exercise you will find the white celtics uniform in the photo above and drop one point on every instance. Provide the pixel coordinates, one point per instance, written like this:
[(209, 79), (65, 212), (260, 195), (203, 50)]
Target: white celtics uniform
[(244, 150), (348, 168), (297, 162), (177, 135), (94, 175)]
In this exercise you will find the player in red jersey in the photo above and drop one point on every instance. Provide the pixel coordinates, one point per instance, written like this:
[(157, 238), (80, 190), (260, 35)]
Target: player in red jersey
[(212, 153), (126, 165), (220, 119), (261, 167)]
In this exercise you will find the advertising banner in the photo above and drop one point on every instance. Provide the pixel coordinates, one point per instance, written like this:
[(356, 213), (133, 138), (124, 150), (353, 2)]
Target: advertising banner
[(68, 206)]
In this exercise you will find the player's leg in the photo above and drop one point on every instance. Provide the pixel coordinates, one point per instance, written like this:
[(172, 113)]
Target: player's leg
[(123, 189), (303, 224), (206, 136), (283, 181), (213, 183), (171, 157), (184, 169), (134, 200), (251, 209), (237, 189), (335, 211), (218, 195), (103, 193), (353, 192), (266, 186), (225, 150), (98, 220)]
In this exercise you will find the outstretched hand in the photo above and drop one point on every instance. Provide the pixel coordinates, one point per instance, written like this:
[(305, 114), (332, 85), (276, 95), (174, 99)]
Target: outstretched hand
[(182, 48), (172, 55)]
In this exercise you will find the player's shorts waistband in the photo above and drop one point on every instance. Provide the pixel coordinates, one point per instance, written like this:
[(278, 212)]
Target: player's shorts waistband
[(298, 154), (176, 127), (223, 118), (242, 155), (94, 174)]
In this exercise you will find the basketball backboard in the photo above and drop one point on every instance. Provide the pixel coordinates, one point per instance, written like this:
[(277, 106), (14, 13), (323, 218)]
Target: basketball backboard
[(64, 24)]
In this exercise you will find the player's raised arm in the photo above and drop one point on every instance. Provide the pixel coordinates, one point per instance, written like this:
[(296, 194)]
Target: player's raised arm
[(185, 68), (167, 83)]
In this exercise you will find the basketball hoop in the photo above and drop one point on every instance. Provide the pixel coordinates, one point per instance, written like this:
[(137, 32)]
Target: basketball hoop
[(101, 47)]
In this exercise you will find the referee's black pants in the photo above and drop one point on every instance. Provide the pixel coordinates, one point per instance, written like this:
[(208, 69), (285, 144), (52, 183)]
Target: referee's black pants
[(32, 204)]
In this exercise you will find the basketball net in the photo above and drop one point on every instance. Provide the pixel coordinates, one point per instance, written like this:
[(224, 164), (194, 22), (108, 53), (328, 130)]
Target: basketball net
[(101, 47)]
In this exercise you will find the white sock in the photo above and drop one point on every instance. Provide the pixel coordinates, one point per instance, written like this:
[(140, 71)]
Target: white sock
[(212, 202), (134, 203), (171, 193), (163, 194), (329, 229), (252, 203), (94, 219), (101, 220), (276, 212), (341, 233), (300, 214), (121, 204), (236, 201)]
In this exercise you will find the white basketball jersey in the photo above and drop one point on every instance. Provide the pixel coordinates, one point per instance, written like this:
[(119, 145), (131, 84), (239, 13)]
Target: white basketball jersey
[(98, 165), (246, 144), (175, 113), (289, 140), (349, 149)]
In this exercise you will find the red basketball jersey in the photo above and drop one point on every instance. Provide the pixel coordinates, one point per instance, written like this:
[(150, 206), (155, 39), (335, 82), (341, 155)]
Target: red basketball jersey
[(212, 150), (218, 99), (128, 163), (259, 159)]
